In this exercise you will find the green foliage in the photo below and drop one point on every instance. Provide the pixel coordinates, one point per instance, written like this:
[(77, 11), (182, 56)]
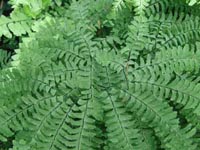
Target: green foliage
[(31, 7), (25, 15), (140, 5), (192, 2), (101, 75), (4, 59), (18, 24)]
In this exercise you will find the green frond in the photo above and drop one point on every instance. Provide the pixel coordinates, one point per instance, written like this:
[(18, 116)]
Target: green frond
[(4, 59), (164, 122), (192, 2), (25, 16), (149, 139), (18, 24), (76, 122), (120, 125), (177, 9), (32, 8), (178, 60), (118, 5), (156, 33), (180, 91), (140, 6)]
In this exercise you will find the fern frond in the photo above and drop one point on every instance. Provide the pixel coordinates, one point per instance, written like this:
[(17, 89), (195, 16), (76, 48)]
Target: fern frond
[(128, 136), (32, 8), (178, 8), (178, 60), (153, 35), (4, 58), (192, 2), (24, 17), (18, 24), (140, 6), (181, 91), (150, 111), (118, 5), (149, 139)]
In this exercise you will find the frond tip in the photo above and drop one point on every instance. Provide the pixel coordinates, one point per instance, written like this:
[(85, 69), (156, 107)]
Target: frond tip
[(118, 5), (139, 5)]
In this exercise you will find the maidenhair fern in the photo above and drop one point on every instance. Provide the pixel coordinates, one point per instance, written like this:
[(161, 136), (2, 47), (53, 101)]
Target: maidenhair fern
[(26, 14), (106, 75)]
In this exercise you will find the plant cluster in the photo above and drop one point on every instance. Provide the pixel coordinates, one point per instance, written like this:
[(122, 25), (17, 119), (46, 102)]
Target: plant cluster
[(100, 75)]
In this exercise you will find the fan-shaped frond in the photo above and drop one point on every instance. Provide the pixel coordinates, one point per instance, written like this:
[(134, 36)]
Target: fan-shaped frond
[(94, 80)]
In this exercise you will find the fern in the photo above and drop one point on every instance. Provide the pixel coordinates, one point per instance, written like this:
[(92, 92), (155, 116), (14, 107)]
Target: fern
[(118, 4), (18, 24), (24, 17), (98, 80), (139, 5), (192, 2), (4, 59)]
